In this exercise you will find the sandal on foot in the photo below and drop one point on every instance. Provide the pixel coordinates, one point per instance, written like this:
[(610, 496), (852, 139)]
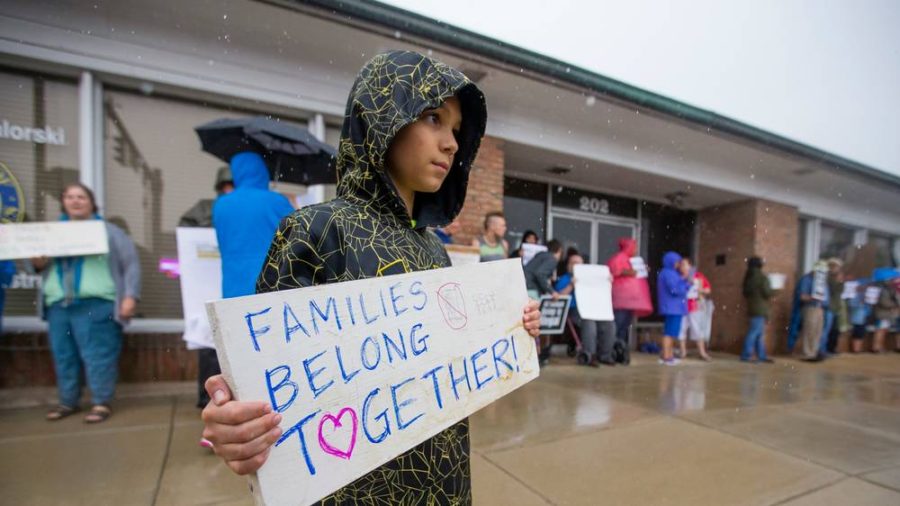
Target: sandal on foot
[(60, 412), (97, 414)]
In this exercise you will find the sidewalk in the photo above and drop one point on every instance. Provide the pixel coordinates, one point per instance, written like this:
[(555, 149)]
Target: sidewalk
[(719, 433)]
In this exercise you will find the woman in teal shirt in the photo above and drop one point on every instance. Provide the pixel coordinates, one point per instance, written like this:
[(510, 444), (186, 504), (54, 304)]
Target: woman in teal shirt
[(86, 300)]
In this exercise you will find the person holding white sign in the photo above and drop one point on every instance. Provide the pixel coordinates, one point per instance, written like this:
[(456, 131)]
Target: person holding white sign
[(86, 301), (597, 337), (406, 149)]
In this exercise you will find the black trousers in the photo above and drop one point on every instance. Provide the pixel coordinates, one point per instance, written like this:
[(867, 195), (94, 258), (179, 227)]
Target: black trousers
[(208, 367)]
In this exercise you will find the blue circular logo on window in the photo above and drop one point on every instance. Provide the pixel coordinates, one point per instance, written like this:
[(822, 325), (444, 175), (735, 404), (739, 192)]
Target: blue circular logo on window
[(12, 201)]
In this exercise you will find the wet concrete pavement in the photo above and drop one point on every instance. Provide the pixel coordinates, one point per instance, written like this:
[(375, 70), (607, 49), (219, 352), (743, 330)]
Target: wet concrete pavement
[(725, 432)]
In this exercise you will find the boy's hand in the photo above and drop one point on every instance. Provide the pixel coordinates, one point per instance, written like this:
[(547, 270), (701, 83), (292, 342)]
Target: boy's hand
[(241, 432), (531, 319)]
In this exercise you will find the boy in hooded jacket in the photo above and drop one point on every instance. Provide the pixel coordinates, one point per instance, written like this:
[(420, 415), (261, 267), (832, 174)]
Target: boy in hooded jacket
[(411, 131), (672, 289)]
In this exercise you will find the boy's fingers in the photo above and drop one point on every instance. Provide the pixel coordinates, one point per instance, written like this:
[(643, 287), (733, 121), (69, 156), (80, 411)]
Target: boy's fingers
[(244, 450), (235, 412), (223, 434), (218, 389), (250, 465)]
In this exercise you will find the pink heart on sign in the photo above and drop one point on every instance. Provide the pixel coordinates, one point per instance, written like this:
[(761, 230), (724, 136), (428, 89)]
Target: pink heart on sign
[(336, 422)]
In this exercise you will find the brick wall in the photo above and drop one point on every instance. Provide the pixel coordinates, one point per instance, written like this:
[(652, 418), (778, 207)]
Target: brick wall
[(731, 233), (485, 191), (25, 359)]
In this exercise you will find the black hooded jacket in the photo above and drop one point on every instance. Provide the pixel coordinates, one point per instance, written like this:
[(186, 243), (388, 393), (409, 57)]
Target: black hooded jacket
[(367, 231)]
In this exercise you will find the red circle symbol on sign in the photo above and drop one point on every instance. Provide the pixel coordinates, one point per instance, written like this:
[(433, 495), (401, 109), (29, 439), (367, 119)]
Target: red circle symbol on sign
[(453, 306)]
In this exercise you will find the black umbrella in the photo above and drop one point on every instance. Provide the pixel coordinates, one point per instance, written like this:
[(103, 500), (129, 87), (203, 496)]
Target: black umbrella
[(292, 154)]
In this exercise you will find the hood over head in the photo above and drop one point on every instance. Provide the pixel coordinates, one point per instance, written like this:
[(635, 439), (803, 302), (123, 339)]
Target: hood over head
[(671, 259), (249, 170), (627, 245), (391, 91)]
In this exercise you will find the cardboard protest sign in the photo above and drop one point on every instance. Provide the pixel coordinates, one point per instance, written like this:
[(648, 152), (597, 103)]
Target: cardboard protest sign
[(53, 239), (365, 370), (200, 267), (593, 291), (554, 314)]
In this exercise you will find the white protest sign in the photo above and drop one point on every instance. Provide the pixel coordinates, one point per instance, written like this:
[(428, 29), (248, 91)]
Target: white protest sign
[(53, 239), (462, 255), (530, 250), (872, 294), (201, 280), (819, 284), (639, 267), (777, 280), (850, 290), (593, 292), (365, 370)]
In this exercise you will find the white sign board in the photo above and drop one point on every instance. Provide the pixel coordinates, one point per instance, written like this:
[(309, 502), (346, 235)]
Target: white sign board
[(530, 250), (593, 292), (201, 280), (819, 284), (53, 239), (777, 280), (639, 266), (872, 294), (850, 290), (462, 255), (365, 370)]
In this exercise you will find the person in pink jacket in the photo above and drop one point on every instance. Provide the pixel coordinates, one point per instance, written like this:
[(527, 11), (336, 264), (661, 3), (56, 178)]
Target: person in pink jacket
[(630, 291)]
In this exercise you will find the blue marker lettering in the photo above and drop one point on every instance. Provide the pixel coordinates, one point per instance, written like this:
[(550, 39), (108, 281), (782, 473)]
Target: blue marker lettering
[(363, 355), (285, 381), (434, 381), (311, 376), (390, 343), (315, 309), (254, 332), (362, 307), (456, 381), (498, 357), (395, 298), (419, 346), (476, 369), (397, 406), (383, 416), (415, 288), (298, 428), (291, 328), (340, 361)]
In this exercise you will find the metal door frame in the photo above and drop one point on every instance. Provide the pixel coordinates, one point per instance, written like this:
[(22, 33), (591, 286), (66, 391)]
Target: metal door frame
[(594, 220)]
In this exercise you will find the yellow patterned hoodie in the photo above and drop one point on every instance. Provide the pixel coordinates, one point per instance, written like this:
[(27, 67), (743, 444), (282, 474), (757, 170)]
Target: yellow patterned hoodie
[(367, 231)]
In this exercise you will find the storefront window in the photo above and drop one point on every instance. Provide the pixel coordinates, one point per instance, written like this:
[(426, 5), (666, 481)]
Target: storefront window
[(884, 249), (38, 156), (835, 242), (155, 171), (525, 208)]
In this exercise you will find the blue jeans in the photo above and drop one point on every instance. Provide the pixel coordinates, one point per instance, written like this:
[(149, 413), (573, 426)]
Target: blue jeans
[(826, 329), (623, 318), (754, 340), (794, 328), (85, 335)]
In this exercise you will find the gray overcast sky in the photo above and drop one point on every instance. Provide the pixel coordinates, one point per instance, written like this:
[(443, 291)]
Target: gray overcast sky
[(822, 72)]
